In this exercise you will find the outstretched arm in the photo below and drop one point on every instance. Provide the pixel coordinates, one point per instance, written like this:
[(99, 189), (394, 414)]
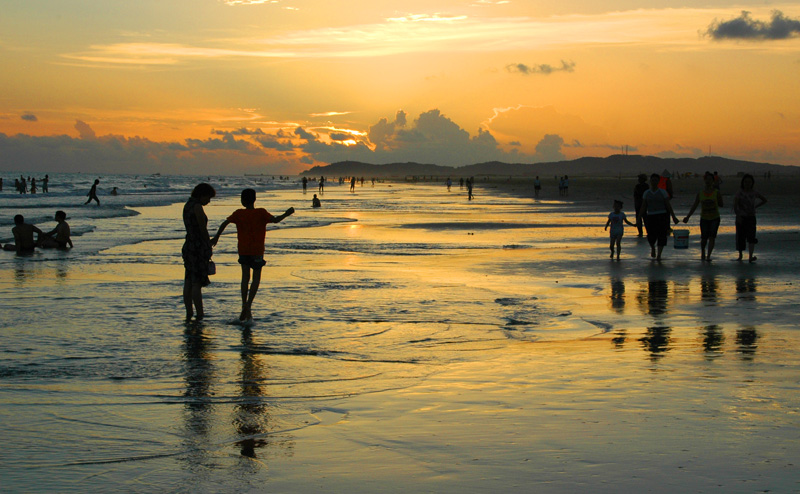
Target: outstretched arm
[(219, 232), (282, 217), (694, 206)]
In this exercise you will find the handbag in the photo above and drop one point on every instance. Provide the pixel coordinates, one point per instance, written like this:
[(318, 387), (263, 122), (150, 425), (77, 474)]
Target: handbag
[(212, 268)]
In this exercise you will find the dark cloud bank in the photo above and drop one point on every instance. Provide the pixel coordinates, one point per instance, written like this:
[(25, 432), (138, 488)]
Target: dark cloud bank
[(431, 138), (746, 28)]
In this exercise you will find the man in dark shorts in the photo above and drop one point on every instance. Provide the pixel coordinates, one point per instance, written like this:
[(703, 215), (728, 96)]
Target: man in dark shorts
[(251, 230)]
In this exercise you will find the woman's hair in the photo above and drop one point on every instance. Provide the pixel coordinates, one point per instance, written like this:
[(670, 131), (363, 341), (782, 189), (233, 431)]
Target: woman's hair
[(745, 177), (203, 189)]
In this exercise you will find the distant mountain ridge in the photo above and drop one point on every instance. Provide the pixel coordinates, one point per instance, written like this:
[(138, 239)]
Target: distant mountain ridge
[(614, 165)]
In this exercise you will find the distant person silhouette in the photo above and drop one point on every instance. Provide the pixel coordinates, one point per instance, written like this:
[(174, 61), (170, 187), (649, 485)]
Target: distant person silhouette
[(617, 220), (745, 203), (638, 191), (710, 200), (315, 203), (656, 211), (93, 193)]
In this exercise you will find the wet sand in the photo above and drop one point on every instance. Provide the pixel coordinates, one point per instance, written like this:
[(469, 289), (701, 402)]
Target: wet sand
[(418, 343)]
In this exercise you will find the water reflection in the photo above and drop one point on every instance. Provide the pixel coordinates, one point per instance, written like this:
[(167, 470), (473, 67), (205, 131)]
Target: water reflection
[(656, 341), (746, 288), (747, 341), (708, 289), (199, 372), (713, 338), (617, 297), (251, 415), (654, 301)]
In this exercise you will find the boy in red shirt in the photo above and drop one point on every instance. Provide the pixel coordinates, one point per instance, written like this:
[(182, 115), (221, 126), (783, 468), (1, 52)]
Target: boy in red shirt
[(251, 229)]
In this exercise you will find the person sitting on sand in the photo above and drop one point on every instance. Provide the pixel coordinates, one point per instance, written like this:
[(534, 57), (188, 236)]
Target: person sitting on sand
[(62, 234), (315, 202), (616, 220), (656, 210), (251, 229), (745, 205), (23, 236), (710, 200)]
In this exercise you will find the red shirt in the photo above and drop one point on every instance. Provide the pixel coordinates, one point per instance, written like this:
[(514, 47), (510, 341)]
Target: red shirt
[(251, 228)]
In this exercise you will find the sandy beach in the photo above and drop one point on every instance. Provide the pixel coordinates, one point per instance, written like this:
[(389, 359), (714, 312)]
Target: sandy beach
[(409, 340)]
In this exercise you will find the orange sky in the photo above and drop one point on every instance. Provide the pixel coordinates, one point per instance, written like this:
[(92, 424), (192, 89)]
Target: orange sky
[(278, 86)]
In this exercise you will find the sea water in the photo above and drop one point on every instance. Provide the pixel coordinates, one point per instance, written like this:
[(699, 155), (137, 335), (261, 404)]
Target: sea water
[(103, 384)]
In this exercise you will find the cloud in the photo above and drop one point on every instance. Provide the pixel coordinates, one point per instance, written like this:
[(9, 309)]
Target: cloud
[(549, 148), (546, 69), (29, 117), (745, 27), (117, 154), (84, 130)]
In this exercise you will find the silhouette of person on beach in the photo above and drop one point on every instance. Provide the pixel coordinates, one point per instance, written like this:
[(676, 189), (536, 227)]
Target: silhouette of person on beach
[(656, 211), (710, 200), (23, 236), (196, 250), (617, 220), (321, 184), (638, 191), (353, 184), (315, 203), (305, 184), (60, 236), (251, 229), (45, 182), (93, 193), (537, 186), (745, 203), (469, 189)]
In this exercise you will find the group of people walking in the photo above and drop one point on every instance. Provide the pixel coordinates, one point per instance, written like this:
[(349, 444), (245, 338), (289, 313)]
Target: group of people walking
[(654, 209)]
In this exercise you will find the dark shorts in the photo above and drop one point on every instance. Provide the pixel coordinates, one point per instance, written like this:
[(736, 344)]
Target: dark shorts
[(252, 262), (745, 232), (709, 228), (657, 228)]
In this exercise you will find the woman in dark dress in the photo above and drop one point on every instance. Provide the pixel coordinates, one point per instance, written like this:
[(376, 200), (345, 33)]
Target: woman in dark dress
[(196, 249)]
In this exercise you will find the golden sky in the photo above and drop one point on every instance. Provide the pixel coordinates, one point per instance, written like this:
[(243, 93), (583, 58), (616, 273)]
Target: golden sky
[(280, 85)]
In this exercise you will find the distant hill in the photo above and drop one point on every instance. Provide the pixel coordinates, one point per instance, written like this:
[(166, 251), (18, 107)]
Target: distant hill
[(615, 165)]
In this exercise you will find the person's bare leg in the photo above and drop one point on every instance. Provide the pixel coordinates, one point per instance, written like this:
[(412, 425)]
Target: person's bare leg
[(660, 248), (619, 247), (187, 297), (711, 242), (703, 243), (197, 299), (253, 290), (245, 289), (752, 248)]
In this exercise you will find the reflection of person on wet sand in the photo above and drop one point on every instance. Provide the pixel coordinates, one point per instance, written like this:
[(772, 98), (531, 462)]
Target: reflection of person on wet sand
[(23, 236), (251, 419), (251, 229), (62, 234)]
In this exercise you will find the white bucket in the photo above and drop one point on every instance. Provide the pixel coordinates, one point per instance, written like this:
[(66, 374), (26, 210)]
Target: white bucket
[(681, 239)]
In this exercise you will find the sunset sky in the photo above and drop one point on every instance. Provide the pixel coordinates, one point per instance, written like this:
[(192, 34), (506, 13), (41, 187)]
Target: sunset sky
[(277, 86)]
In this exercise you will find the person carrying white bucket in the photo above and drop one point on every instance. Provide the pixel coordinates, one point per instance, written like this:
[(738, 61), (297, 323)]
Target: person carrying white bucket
[(710, 200)]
